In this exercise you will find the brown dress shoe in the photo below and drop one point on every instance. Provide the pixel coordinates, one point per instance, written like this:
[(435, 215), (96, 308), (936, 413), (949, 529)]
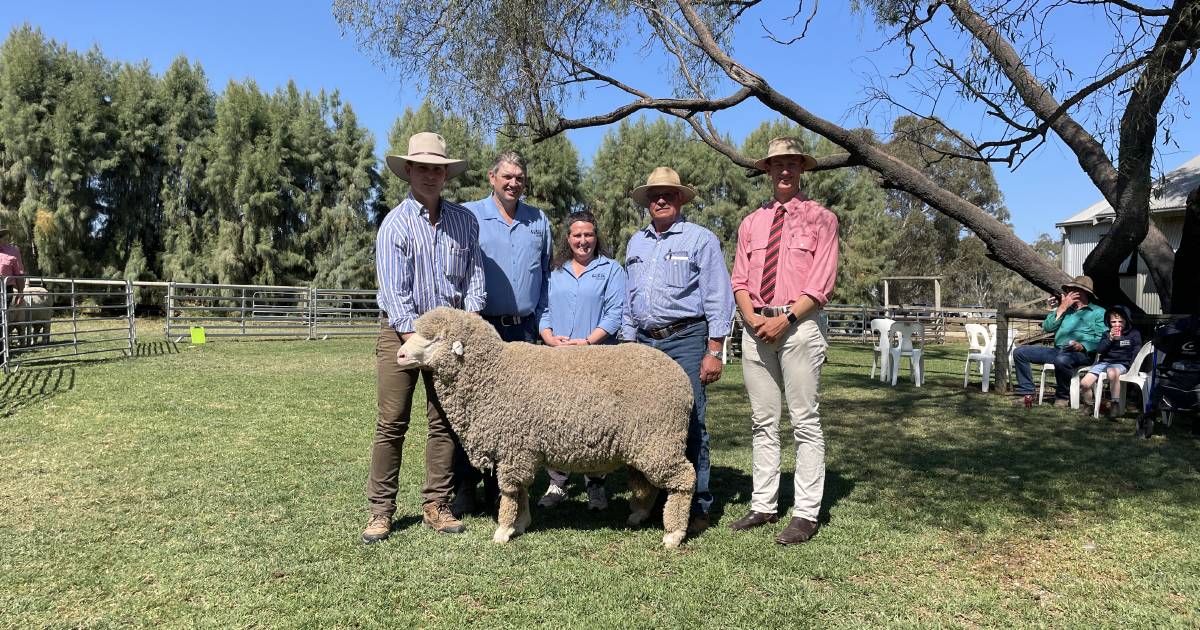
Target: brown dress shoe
[(441, 519), (753, 519), (797, 531)]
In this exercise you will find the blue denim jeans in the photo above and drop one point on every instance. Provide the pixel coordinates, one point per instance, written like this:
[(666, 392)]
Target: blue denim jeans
[(1065, 363), (687, 348)]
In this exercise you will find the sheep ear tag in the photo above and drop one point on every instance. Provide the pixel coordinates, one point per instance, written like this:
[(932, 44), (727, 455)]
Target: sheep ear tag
[(457, 348)]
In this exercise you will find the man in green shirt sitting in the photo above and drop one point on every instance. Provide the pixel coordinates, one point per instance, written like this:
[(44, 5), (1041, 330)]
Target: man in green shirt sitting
[(1078, 325)]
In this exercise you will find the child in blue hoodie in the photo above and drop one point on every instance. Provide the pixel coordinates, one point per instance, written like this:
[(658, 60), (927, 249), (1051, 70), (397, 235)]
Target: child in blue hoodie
[(1115, 353)]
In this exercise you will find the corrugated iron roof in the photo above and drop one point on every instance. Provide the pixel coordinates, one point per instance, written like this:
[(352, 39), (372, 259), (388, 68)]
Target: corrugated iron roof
[(1171, 195)]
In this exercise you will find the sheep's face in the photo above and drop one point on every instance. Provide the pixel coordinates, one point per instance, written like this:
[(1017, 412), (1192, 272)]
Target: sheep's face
[(422, 352)]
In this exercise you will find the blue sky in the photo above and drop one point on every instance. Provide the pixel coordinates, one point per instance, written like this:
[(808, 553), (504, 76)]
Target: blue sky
[(272, 42)]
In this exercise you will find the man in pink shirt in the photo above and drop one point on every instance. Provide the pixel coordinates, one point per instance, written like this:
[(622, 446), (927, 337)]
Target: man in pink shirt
[(783, 273), (10, 265)]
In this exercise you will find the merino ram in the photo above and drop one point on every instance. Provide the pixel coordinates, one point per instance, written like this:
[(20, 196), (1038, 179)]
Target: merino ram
[(518, 408)]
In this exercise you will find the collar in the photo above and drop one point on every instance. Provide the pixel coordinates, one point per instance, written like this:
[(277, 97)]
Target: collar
[(676, 228), (422, 210), (494, 214), (790, 205)]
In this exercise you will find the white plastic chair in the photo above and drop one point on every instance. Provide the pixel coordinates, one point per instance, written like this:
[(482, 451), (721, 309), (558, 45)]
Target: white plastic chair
[(1012, 346), (1049, 367), (1134, 377), (982, 351), (902, 334), (880, 327)]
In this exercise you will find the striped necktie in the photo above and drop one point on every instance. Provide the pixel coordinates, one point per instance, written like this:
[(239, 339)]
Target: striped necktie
[(771, 261)]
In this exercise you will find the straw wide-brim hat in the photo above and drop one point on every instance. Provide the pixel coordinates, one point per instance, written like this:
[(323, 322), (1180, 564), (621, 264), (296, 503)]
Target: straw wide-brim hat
[(662, 177), (427, 148), (1082, 283), (787, 146)]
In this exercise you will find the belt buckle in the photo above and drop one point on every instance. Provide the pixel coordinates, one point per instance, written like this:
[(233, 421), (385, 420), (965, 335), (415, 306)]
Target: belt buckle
[(510, 320)]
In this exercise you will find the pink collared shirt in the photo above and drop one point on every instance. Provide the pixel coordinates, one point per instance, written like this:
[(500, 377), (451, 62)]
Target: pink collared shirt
[(808, 252), (10, 261)]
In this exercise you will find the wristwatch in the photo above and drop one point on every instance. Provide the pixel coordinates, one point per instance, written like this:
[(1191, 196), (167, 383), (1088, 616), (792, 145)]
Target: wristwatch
[(792, 319), (716, 354)]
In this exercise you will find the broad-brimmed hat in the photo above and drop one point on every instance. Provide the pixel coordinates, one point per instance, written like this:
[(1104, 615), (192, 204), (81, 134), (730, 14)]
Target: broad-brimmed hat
[(787, 145), (1082, 283), (662, 177), (427, 148)]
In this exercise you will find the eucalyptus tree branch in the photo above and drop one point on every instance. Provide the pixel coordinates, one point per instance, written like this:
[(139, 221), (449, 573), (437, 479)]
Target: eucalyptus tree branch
[(1129, 6)]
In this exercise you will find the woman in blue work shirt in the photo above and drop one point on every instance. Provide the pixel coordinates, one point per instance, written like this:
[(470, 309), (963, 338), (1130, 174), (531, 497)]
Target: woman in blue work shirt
[(587, 294)]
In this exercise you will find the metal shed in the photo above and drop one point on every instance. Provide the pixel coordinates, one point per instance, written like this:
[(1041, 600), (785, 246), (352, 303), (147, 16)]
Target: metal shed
[(1082, 231)]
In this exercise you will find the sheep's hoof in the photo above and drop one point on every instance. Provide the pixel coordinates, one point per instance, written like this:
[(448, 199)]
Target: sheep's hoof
[(672, 539), (503, 534), (638, 517)]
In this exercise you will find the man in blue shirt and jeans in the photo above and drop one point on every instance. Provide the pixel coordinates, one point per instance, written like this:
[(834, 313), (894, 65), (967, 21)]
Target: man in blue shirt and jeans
[(679, 300), (515, 239)]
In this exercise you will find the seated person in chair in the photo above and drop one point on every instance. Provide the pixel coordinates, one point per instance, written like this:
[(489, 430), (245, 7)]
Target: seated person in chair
[(1078, 325), (1115, 354)]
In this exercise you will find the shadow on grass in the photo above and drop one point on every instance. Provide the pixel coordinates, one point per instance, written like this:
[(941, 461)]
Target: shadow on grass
[(32, 385), (155, 348)]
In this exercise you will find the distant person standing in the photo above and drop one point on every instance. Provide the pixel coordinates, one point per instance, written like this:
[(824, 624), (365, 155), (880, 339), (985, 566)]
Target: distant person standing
[(426, 256), (678, 301), (515, 240), (586, 299), (783, 273), (11, 267)]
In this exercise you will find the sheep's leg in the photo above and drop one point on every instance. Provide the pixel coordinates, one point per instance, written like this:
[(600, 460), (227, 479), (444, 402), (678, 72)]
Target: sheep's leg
[(680, 485), (507, 518), (523, 515), (642, 499)]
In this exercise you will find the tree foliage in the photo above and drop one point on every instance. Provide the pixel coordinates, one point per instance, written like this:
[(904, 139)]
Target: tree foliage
[(529, 60)]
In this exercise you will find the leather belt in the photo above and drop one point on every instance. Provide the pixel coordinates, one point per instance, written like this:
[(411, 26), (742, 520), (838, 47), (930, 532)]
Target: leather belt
[(663, 332), (773, 311), (506, 320)]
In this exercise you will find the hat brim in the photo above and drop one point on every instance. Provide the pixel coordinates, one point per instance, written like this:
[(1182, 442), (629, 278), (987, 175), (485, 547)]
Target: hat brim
[(809, 162), (454, 168), (639, 194)]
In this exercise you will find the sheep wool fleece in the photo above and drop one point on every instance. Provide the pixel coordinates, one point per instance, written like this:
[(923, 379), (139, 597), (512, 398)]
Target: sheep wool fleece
[(518, 408)]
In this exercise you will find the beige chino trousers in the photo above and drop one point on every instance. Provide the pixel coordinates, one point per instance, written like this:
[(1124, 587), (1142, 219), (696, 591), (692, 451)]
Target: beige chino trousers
[(787, 370)]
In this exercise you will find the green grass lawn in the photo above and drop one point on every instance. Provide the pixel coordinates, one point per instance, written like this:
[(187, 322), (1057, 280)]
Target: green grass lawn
[(223, 485)]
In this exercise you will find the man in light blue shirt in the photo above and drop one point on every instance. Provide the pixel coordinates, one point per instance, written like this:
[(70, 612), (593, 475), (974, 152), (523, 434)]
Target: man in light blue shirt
[(679, 300), (515, 239)]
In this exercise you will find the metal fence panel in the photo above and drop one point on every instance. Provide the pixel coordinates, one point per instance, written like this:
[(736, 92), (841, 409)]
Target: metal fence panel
[(65, 318), (237, 310)]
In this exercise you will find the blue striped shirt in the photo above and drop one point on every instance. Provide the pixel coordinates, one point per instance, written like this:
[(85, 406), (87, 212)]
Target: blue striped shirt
[(679, 274), (420, 267), (516, 258), (596, 299)]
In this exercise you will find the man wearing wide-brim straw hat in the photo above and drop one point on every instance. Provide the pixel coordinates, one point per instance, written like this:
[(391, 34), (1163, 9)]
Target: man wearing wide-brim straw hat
[(678, 301), (1078, 326), (11, 267), (783, 274), (426, 255)]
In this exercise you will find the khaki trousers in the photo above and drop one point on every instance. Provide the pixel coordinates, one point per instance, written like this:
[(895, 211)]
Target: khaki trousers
[(788, 369), (395, 394)]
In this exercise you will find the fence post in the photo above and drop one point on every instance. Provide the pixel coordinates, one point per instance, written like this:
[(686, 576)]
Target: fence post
[(130, 306), (1000, 351), (312, 313), (4, 317)]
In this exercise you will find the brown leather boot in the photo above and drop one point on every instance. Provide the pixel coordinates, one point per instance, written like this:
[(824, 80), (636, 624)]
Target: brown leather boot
[(439, 517), (753, 519), (378, 528), (797, 531)]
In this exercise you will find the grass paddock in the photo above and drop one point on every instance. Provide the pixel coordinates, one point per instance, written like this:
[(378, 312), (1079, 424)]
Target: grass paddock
[(222, 485)]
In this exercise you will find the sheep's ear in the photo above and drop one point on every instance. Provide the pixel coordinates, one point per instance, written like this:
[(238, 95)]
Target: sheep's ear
[(457, 348)]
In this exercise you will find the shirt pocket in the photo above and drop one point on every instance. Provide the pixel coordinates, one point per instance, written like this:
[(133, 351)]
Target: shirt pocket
[(455, 261), (677, 271), (801, 248)]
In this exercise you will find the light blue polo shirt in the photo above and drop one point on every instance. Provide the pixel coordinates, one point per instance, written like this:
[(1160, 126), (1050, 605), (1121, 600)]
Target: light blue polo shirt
[(516, 258), (595, 299)]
